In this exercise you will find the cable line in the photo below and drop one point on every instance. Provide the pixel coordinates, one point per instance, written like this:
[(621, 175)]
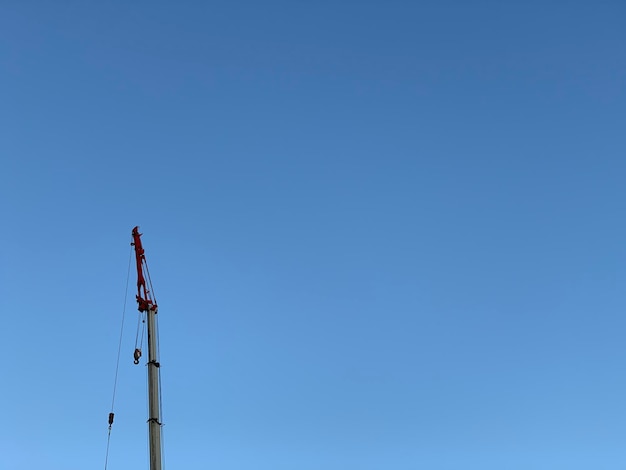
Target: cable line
[(117, 364)]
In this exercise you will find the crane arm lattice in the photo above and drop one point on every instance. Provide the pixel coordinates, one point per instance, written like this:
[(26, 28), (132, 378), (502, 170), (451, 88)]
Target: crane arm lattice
[(145, 297)]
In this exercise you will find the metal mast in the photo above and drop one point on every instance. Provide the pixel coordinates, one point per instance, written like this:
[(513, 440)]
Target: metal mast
[(147, 305)]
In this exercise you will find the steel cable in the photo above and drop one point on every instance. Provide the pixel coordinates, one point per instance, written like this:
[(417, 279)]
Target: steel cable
[(117, 364)]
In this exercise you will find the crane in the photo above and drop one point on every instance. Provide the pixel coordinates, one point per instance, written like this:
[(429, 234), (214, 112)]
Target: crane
[(146, 304)]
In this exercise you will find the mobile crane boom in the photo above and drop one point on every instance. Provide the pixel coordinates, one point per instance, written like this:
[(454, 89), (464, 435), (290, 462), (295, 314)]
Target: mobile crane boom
[(147, 304)]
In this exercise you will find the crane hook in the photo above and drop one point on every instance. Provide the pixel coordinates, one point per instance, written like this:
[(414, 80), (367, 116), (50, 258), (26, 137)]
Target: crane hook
[(137, 355)]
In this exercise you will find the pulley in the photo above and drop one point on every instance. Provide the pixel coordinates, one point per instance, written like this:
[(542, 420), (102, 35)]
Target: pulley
[(137, 355)]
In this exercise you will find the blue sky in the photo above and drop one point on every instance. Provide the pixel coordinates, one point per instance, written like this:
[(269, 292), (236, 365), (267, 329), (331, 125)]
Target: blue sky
[(382, 235)]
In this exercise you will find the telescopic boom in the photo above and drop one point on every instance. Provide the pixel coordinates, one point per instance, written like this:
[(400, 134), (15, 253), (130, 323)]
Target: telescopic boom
[(146, 303)]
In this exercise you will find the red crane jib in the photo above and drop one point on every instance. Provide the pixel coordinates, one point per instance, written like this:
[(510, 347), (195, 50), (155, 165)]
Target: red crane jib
[(143, 294)]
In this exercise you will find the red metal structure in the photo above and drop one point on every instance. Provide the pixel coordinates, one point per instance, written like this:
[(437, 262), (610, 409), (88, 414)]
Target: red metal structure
[(144, 297)]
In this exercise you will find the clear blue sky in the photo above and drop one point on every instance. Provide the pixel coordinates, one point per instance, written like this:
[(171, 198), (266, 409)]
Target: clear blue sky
[(383, 235)]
